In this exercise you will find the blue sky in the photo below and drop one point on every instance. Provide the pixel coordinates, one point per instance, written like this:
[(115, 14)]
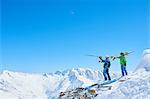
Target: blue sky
[(51, 35)]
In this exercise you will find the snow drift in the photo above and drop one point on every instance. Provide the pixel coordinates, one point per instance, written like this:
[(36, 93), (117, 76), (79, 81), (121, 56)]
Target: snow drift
[(136, 87), (145, 61)]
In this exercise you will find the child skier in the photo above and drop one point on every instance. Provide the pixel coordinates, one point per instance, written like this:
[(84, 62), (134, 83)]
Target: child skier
[(106, 67)]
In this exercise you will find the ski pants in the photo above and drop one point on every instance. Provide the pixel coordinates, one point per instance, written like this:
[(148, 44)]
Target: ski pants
[(123, 70), (106, 74)]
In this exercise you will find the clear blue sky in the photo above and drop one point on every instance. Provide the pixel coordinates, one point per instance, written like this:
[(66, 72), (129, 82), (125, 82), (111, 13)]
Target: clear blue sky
[(51, 35)]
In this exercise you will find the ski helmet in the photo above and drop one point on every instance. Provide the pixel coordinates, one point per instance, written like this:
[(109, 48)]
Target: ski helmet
[(121, 53)]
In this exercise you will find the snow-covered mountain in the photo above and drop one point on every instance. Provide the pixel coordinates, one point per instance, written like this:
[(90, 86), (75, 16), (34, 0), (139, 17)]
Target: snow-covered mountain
[(145, 61), (43, 86), (136, 87), (17, 85)]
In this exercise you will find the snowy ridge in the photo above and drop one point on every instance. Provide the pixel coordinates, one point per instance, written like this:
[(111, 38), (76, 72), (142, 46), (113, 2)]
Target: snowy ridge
[(145, 61), (25, 86), (17, 85), (44, 86), (137, 87)]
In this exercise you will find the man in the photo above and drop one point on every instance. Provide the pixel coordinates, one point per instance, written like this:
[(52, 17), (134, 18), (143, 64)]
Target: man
[(106, 67), (123, 63)]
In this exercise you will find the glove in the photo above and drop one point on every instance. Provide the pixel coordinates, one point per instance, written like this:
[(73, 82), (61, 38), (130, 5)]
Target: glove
[(112, 57), (100, 57), (126, 53)]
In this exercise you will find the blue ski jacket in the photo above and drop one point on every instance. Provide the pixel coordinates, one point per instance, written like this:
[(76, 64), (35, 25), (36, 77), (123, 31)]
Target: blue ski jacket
[(106, 63)]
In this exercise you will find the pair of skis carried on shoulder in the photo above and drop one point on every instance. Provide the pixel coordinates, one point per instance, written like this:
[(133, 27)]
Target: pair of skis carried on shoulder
[(112, 57)]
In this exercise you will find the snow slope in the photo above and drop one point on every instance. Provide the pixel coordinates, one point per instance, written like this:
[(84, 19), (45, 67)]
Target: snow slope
[(17, 85), (145, 61), (136, 87), (25, 86), (44, 86)]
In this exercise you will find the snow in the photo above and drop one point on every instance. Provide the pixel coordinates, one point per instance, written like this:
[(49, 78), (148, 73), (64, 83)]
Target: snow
[(7, 95), (26, 86), (137, 87), (44, 86), (145, 61), (18, 85)]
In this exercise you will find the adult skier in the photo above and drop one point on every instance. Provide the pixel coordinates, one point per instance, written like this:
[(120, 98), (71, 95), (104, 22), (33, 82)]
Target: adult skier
[(123, 63), (106, 67)]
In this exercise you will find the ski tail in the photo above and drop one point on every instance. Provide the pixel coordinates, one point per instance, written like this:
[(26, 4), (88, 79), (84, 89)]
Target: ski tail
[(92, 55), (131, 52), (86, 88)]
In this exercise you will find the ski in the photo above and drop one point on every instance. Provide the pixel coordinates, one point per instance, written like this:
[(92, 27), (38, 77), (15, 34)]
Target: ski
[(122, 80), (126, 53), (102, 84), (100, 56), (93, 55)]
